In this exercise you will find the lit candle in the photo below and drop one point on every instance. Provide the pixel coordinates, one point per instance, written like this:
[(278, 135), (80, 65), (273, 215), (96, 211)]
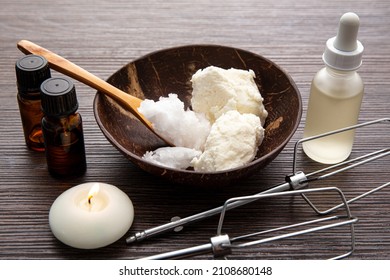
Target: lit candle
[(91, 215)]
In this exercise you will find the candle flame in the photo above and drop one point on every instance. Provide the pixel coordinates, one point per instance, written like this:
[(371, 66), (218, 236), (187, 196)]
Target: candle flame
[(93, 191)]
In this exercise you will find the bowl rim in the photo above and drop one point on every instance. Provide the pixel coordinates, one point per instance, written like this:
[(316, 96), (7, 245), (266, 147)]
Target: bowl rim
[(271, 154)]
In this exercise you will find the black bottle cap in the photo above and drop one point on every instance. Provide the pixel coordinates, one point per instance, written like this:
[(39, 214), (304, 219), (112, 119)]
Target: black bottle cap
[(58, 97), (31, 70)]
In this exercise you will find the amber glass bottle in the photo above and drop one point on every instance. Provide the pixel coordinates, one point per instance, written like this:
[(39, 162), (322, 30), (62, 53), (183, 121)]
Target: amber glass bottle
[(31, 71), (62, 128)]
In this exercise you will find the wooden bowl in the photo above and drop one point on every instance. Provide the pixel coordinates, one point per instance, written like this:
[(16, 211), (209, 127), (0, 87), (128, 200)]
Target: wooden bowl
[(170, 71)]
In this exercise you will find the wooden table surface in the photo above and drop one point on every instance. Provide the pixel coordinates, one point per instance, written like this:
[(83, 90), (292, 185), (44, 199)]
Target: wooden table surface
[(102, 36)]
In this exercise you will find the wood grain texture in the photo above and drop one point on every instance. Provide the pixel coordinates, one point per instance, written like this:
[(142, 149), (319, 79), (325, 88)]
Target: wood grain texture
[(102, 36)]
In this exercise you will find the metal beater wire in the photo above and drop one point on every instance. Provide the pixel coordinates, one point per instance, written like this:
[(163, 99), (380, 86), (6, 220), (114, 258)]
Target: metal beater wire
[(299, 142), (347, 164), (359, 161), (252, 198)]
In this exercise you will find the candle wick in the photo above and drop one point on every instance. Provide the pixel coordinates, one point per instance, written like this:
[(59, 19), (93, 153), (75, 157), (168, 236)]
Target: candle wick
[(89, 199)]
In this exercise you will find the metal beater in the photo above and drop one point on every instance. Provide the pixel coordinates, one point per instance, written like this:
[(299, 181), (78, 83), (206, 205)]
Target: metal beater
[(222, 245)]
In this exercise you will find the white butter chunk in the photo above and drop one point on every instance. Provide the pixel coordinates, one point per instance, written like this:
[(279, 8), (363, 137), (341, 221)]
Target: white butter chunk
[(232, 142), (217, 90)]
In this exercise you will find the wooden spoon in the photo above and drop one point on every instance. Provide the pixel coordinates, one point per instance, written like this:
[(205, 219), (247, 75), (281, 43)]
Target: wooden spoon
[(70, 69)]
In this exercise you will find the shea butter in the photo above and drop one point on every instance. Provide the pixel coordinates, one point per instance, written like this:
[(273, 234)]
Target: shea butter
[(217, 91), (232, 142)]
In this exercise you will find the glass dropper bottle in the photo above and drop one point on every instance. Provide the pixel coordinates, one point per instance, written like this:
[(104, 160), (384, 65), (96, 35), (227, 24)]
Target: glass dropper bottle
[(335, 96)]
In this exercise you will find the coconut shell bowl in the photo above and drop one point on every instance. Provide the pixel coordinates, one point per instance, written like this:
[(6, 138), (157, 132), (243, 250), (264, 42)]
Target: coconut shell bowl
[(170, 71)]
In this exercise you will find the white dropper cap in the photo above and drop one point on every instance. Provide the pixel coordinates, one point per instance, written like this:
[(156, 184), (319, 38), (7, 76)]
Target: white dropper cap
[(344, 52)]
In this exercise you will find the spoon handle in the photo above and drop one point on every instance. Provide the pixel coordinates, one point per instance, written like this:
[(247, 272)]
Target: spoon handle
[(70, 69)]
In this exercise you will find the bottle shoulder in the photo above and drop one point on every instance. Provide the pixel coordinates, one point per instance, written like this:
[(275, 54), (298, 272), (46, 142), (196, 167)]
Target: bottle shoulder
[(338, 84), (28, 96)]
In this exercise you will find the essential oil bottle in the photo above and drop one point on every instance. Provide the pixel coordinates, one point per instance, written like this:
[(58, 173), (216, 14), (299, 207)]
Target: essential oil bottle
[(336, 95), (31, 71), (62, 128)]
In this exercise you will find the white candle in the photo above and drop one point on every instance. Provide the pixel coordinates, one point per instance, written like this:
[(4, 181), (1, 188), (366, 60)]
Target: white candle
[(91, 215)]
